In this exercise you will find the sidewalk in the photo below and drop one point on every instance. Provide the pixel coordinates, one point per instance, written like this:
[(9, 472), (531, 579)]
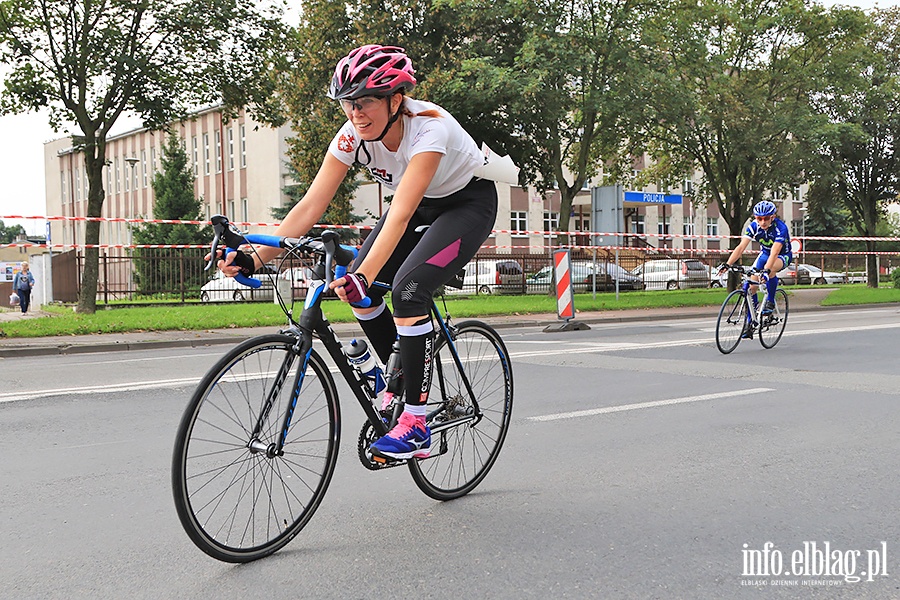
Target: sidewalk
[(801, 300)]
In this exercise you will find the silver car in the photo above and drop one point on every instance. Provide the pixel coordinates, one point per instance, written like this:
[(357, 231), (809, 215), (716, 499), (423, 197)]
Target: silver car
[(672, 274)]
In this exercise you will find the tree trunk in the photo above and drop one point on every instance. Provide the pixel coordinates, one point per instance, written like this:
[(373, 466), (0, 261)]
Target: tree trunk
[(872, 275), (94, 158)]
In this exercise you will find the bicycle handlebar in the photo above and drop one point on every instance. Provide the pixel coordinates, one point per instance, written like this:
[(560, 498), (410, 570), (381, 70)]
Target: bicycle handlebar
[(327, 245)]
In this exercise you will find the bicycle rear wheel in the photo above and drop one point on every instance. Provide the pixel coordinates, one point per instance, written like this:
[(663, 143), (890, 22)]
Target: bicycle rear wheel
[(771, 327), (465, 445), (731, 322), (239, 503)]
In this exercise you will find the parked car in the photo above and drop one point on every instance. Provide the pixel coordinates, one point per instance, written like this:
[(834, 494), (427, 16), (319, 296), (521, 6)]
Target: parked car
[(226, 289), (491, 277), (672, 274), (794, 275), (820, 277), (582, 276)]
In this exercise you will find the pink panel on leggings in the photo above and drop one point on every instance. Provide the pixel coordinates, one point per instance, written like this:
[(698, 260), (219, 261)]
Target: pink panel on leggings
[(445, 256)]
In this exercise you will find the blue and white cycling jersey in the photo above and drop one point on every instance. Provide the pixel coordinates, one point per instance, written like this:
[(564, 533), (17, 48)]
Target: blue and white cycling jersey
[(777, 232)]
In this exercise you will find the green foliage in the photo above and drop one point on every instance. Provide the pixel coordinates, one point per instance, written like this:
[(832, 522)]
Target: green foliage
[(727, 89), (858, 153), (324, 37), (173, 188), (9, 234)]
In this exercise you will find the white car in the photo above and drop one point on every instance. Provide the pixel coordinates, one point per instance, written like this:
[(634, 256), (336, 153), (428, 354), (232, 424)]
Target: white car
[(488, 276), (820, 277), (226, 289)]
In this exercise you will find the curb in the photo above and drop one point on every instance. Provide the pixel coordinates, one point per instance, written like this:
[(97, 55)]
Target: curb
[(212, 339)]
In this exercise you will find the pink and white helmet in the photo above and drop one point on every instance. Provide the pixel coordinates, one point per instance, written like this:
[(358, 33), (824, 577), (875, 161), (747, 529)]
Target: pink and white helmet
[(372, 70)]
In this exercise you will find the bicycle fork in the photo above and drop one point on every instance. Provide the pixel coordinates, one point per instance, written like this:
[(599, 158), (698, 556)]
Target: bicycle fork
[(301, 348)]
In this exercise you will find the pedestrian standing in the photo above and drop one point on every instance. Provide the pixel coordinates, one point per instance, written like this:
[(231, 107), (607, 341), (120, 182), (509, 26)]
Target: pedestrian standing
[(22, 284)]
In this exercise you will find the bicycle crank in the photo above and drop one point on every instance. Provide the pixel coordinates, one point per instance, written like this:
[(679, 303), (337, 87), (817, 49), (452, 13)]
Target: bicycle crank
[(367, 436)]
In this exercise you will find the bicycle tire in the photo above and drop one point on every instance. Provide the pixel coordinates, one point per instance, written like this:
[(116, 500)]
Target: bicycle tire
[(235, 504), (731, 322), (462, 455), (771, 327)]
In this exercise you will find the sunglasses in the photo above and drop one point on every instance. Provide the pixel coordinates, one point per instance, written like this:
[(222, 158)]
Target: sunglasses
[(366, 104)]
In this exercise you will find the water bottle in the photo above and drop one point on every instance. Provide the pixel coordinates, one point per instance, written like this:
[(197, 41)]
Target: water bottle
[(358, 355)]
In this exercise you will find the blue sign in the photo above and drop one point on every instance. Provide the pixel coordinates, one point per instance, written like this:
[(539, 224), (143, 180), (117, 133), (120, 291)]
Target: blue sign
[(652, 198)]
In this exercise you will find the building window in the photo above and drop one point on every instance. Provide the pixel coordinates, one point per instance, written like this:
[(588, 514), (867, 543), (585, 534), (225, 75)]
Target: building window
[(662, 225), (688, 228), (63, 187), (153, 160), (206, 163), (243, 146), (637, 224), (518, 220), (218, 152), (118, 176), (196, 157), (712, 226), (144, 167), (776, 195), (78, 184), (551, 221), (245, 210), (231, 149), (231, 208)]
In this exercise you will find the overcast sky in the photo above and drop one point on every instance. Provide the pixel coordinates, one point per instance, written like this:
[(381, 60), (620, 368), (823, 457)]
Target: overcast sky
[(22, 140)]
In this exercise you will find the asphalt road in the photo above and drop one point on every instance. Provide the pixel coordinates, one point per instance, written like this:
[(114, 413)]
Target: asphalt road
[(641, 463)]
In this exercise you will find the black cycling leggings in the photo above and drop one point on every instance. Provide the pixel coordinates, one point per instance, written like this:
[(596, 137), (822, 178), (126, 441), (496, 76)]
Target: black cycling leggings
[(421, 263)]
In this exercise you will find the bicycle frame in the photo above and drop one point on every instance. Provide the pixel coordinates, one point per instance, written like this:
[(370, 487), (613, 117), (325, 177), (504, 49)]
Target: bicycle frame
[(312, 321)]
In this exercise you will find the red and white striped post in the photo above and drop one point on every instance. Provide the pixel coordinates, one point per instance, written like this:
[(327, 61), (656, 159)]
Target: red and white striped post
[(565, 295)]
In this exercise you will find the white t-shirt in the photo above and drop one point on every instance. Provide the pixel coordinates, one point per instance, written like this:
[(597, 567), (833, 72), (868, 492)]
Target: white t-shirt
[(420, 134)]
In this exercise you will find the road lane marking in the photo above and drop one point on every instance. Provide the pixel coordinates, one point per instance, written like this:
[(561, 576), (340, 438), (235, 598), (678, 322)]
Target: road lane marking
[(640, 405)]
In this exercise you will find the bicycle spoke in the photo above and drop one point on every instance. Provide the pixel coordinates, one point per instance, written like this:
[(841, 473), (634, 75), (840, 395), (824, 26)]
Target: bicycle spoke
[(238, 504)]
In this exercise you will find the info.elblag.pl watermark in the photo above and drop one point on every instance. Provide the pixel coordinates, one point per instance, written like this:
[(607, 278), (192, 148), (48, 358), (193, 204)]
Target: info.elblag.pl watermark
[(812, 564)]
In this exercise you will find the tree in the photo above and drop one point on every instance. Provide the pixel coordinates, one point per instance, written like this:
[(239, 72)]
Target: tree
[(727, 89), (173, 190), (9, 234), (548, 82), (860, 150), (324, 37), (90, 61)]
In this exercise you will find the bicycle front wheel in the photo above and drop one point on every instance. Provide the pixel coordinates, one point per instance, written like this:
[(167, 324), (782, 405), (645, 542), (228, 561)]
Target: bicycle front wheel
[(237, 496), (732, 322), (771, 327), (465, 443)]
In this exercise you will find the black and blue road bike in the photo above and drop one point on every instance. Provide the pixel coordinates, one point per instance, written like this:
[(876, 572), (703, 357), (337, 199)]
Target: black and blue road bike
[(257, 444)]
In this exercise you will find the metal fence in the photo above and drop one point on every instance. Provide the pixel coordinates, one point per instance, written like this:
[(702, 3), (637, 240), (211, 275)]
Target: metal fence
[(177, 274)]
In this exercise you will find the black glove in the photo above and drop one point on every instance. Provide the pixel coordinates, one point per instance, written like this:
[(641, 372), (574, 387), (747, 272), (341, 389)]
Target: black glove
[(245, 262)]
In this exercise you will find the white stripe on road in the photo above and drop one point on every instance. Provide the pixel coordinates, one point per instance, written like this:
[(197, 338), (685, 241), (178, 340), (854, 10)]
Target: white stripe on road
[(622, 408)]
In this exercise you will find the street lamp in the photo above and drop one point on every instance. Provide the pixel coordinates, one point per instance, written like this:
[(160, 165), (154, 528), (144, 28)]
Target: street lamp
[(133, 161)]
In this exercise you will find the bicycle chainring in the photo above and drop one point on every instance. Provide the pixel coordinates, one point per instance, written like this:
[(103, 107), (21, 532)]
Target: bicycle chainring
[(367, 435)]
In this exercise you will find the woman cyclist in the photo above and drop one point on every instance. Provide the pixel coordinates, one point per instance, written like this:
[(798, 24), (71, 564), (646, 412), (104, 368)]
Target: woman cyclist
[(418, 150), (775, 250)]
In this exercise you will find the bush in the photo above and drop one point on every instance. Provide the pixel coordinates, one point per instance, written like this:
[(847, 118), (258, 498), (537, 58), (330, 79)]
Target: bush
[(895, 277)]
